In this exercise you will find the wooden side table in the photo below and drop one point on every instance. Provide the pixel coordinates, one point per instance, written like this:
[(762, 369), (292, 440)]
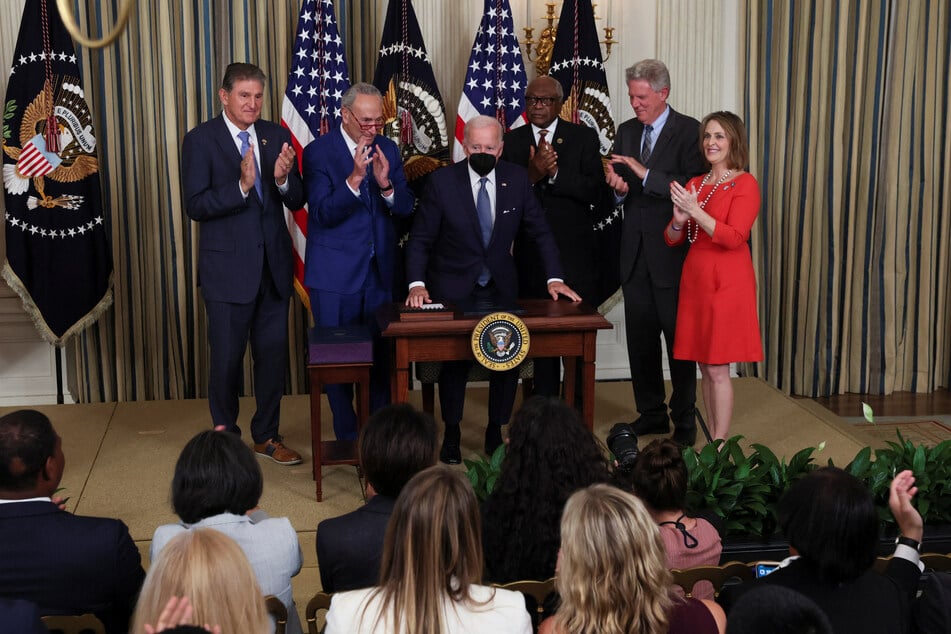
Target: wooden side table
[(337, 355)]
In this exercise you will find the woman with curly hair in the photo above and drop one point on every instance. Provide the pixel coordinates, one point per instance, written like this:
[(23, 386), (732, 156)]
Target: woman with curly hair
[(551, 454), (611, 573), (431, 570)]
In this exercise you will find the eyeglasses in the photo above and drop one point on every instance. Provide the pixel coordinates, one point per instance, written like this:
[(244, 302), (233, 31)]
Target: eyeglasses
[(367, 123), (545, 101)]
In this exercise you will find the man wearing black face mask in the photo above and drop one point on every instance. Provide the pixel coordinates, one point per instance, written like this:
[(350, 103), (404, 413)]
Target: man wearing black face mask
[(461, 247)]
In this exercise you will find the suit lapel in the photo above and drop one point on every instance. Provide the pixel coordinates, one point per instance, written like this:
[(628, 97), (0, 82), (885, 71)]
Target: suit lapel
[(664, 139), (468, 203)]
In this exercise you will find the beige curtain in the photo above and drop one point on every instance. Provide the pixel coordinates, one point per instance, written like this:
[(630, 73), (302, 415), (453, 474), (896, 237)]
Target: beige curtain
[(848, 116), (159, 80)]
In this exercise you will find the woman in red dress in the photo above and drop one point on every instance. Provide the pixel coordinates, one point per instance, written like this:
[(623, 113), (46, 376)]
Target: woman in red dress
[(716, 316)]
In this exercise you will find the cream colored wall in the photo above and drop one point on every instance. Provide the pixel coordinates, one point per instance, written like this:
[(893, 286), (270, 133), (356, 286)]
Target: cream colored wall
[(696, 38)]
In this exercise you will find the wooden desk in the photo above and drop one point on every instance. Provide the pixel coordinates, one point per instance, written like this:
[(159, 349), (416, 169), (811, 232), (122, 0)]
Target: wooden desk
[(556, 329)]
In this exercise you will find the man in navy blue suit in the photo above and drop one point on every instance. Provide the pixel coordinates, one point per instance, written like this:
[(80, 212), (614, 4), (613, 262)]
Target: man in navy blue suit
[(448, 259), (64, 563), (238, 171), (355, 186)]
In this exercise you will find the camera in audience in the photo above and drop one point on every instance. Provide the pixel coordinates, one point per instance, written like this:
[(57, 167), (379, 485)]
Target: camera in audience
[(622, 441)]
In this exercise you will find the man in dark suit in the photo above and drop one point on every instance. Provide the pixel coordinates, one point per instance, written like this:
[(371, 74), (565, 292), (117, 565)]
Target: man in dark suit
[(238, 171), (396, 443), (64, 563), (355, 186), (461, 248), (659, 146), (564, 165)]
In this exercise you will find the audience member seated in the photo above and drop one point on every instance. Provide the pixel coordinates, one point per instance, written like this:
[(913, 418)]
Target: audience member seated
[(830, 520), (550, 455), (218, 484), (612, 578), (64, 563), (776, 610), (395, 444), (659, 479), (431, 568), (210, 570)]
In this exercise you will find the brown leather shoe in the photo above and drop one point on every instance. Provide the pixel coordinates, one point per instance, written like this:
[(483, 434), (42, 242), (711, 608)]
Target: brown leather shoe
[(276, 451)]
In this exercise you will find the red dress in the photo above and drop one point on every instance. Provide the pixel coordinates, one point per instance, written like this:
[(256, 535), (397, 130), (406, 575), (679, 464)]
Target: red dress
[(716, 314)]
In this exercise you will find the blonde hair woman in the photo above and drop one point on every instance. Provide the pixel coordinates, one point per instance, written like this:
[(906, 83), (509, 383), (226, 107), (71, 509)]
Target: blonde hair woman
[(211, 570), (431, 569), (611, 574)]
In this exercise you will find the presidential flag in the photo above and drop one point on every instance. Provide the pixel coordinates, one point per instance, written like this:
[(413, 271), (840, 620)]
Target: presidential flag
[(412, 106), (576, 63), (495, 80), (413, 109), (58, 258), (316, 81)]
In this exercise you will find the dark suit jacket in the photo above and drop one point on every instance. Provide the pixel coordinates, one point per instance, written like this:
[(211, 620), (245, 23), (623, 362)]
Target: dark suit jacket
[(568, 206), (873, 603), (445, 248), (350, 547), (68, 564), (343, 230), (647, 208), (234, 229)]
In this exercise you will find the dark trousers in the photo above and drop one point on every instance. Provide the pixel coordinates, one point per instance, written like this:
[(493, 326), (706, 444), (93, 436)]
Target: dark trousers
[(650, 310), (336, 309), (231, 326)]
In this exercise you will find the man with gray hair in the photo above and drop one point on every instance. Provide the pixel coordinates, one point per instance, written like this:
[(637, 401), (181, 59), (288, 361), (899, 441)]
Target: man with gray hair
[(355, 185), (658, 146), (460, 249)]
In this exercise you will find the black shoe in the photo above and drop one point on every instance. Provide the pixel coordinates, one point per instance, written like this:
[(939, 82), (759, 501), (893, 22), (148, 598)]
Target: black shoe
[(493, 438), (450, 453), (685, 437), (644, 426)]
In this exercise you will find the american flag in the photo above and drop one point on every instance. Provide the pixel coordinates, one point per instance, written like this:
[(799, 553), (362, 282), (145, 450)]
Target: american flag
[(495, 81), (315, 84)]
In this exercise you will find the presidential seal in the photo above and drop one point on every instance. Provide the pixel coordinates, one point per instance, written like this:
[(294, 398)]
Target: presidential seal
[(500, 341)]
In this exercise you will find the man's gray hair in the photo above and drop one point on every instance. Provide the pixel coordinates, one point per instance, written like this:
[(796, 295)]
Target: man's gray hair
[(360, 88), (482, 121), (653, 71)]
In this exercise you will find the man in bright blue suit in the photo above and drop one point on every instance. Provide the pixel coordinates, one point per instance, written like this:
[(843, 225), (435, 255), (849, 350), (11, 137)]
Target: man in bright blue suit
[(455, 254), (355, 186), (238, 172)]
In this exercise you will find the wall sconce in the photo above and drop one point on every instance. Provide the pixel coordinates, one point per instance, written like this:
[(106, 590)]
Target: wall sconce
[(544, 45)]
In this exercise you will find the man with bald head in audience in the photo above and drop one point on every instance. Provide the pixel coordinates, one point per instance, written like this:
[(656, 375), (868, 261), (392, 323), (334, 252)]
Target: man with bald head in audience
[(64, 563)]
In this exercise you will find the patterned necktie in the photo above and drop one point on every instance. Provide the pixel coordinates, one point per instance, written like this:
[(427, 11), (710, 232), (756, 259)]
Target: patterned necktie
[(484, 211), (646, 148), (245, 146), (541, 137)]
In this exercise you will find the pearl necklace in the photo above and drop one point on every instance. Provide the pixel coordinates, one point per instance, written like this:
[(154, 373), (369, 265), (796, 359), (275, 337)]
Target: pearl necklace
[(693, 231)]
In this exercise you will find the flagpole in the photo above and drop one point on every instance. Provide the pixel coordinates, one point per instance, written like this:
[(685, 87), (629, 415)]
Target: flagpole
[(59, 375)]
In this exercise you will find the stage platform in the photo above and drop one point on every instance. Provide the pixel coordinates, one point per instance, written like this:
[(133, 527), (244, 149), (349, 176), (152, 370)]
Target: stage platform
[(120, 456)]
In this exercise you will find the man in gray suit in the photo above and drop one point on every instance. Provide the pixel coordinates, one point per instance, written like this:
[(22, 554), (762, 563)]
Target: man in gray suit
[(658, 146)]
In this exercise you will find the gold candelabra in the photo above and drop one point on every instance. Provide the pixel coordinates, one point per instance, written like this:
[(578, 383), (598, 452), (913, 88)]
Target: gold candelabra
[(545, 43)]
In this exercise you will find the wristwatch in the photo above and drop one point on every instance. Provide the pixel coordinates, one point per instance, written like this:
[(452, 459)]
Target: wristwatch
[(908, 541)]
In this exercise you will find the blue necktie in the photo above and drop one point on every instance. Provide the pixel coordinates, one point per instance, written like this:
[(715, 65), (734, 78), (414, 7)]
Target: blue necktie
[(646, 148), (245, 146), (484, 211)]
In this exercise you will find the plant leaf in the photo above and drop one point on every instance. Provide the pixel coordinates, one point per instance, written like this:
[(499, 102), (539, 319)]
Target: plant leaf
[(868, 413)]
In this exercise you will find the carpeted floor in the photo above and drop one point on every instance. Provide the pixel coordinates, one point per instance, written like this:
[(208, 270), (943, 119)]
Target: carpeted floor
[(120, 456)]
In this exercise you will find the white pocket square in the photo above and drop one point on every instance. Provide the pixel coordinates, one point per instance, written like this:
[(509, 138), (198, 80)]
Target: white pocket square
[(505, 211)]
